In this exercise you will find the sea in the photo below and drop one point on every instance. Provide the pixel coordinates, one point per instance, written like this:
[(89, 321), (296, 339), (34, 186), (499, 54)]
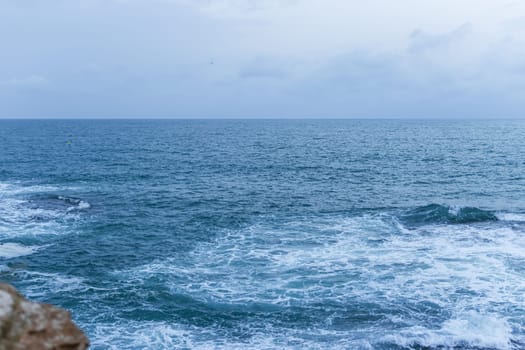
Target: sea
[(270, 234)]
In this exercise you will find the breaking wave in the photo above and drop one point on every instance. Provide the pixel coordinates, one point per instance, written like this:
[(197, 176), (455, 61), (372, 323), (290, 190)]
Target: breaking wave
[(33, 211), (31, 219), (363, 282), (13, 250), (443, 214)]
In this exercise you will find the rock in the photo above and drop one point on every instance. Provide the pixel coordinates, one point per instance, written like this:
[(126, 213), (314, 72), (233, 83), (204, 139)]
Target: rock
[(27, 325)]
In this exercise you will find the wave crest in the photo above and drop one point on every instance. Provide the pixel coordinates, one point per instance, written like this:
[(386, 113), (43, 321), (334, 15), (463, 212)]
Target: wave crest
[(444, 214)]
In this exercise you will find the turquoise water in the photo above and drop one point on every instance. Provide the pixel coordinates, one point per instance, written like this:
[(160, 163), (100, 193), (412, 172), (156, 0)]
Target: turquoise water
[(270, 234)]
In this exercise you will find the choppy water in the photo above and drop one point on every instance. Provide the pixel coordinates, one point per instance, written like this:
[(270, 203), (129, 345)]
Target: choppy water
[(270, 234)]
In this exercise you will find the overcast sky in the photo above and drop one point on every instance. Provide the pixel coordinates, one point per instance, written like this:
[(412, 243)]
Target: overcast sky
[(262, 58)]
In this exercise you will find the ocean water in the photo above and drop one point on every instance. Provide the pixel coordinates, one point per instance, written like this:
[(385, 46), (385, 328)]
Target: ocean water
[(298, 234)]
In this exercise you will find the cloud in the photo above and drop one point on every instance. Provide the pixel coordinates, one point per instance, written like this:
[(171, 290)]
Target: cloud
[(422, 41), (132, 58)]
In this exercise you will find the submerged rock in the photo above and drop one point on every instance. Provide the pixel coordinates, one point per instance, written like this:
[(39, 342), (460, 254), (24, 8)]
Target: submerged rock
[(28, 325)]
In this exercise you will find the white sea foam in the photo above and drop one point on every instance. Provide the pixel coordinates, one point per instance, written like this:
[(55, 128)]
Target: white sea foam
[(164, 335), (13, 250), (472, 329), (9, 189), (80, 206), (511, 216), (367, 259), (20, 217), (454, 210), (77, 203), (39, 285), (83, 205)]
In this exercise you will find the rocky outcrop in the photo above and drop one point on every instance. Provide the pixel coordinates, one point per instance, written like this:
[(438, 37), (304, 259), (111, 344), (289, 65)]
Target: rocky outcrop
[(27, 325)]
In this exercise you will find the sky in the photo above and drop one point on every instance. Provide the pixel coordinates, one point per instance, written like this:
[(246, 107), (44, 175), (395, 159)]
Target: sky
[(262, 59)]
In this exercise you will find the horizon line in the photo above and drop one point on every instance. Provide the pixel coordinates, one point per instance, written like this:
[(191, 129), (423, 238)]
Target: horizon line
[(263, 118)]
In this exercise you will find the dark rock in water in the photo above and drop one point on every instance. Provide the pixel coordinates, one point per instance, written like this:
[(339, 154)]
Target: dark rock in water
[(28, 325)]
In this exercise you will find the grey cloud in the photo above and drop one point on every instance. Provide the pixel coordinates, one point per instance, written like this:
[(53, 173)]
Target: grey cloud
[(138, 58), (421, 40)]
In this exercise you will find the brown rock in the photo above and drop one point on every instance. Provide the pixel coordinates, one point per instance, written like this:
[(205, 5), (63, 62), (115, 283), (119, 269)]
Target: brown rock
[(26, 325)]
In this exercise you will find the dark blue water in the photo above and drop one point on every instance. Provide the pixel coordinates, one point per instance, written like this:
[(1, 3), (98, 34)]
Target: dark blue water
[(270, 234)]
